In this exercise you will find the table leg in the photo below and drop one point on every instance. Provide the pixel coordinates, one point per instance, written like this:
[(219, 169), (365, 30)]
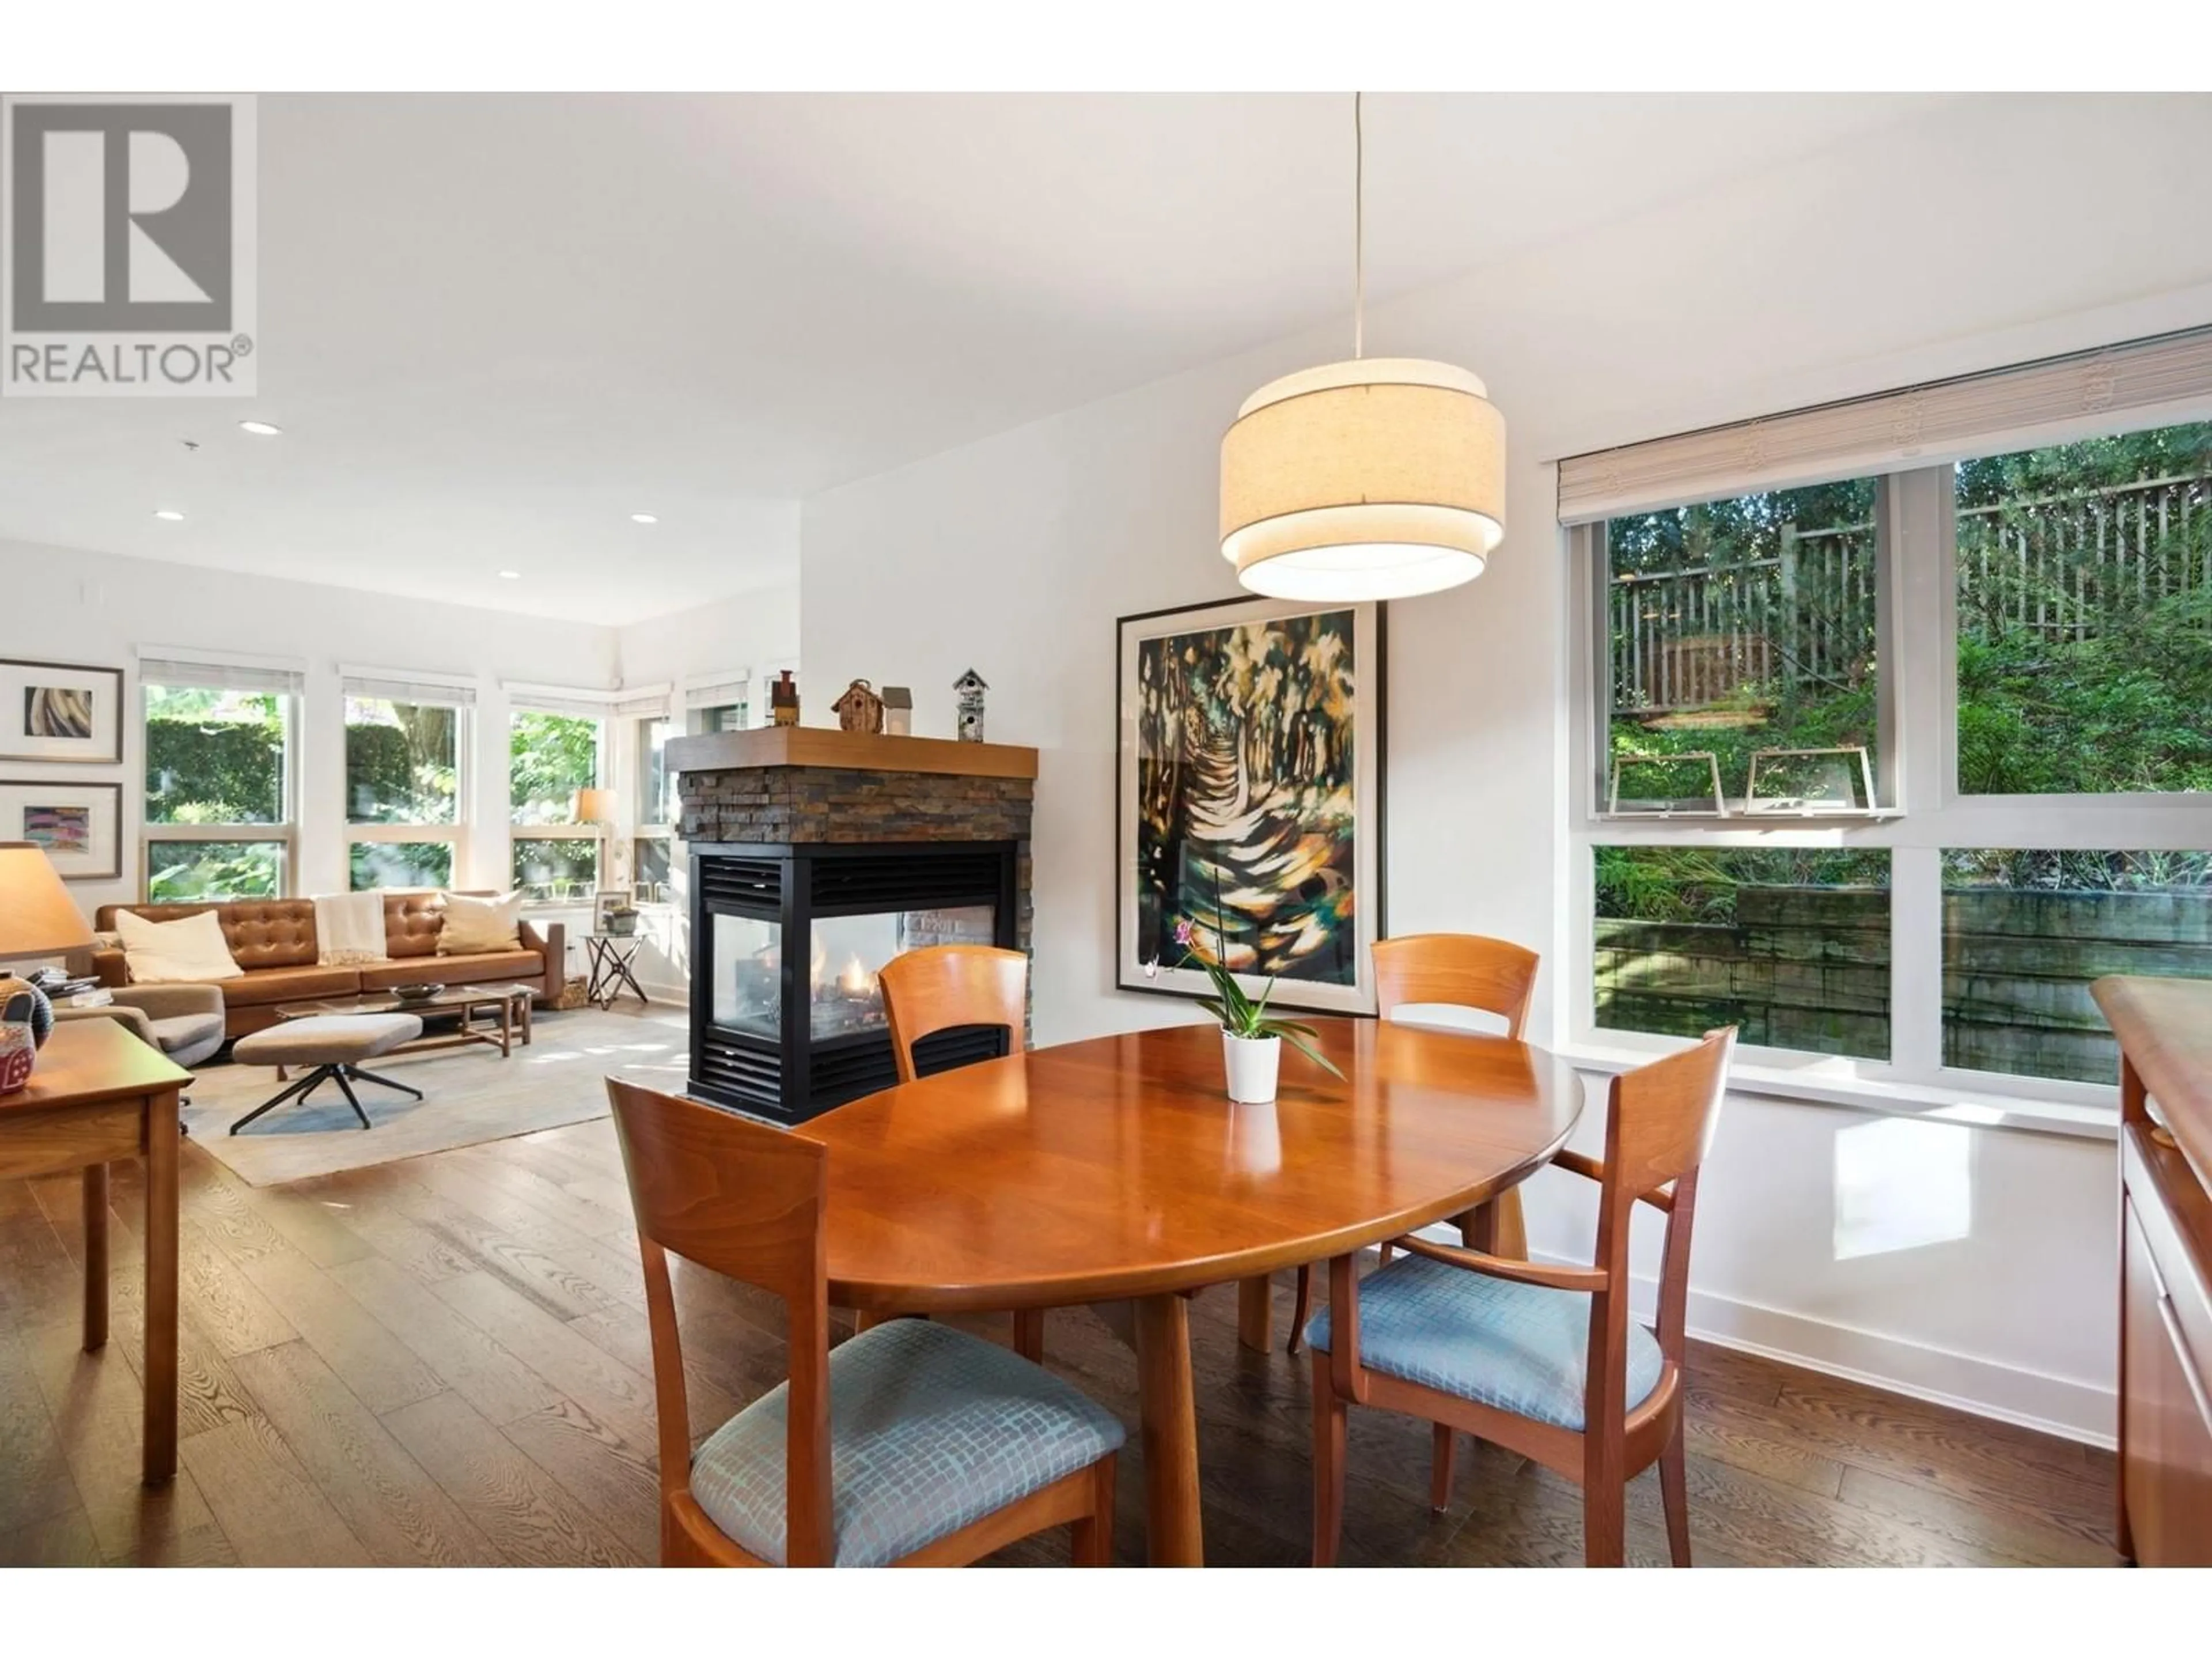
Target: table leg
[(1170, 1433), (527, 1000), (95, 1257), (1256, 1309), (160, 1370)]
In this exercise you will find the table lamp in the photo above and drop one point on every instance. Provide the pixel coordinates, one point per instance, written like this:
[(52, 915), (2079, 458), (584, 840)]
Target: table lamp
[(597, 806), (38, 917)]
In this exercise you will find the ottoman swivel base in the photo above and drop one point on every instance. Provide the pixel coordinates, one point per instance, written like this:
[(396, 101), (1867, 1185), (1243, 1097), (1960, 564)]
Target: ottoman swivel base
[(332, 1045)]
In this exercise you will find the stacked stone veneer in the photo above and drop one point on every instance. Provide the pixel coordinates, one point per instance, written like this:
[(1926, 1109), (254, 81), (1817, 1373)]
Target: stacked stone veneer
[(851, 805)]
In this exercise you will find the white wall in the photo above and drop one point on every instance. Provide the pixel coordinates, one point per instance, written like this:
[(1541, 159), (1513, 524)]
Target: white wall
[(92, 608), (742, 632), (1984, 234)]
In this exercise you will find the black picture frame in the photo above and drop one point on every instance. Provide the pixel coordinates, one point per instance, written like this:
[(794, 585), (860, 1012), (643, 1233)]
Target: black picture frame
[(1371, 623)]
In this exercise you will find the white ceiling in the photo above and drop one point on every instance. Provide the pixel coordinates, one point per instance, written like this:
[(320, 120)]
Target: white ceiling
[(494, 326)]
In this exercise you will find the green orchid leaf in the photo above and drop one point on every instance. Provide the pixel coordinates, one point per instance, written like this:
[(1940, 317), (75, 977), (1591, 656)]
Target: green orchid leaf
[(1309, 1050)]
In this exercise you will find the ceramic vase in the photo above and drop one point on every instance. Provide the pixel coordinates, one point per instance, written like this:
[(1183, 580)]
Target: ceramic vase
[(1251, 1064)]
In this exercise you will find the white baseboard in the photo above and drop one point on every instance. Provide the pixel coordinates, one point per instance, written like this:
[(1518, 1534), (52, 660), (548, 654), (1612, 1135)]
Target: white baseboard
[(2067, 1407)]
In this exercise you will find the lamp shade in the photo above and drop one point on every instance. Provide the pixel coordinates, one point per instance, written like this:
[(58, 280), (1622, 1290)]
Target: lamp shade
[(37, 916), (595, 807), (1375, 479)]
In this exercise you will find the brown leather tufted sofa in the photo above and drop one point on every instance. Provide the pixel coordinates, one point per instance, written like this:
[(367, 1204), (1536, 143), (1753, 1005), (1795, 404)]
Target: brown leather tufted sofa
[(274, 941)]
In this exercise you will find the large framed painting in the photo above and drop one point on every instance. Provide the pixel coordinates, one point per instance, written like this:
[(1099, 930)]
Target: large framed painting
[(79, 824), (60, 711), (1250, 800)]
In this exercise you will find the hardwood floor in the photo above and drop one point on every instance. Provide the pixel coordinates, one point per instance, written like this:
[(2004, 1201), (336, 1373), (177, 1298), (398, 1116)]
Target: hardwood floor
[(444, 1362)]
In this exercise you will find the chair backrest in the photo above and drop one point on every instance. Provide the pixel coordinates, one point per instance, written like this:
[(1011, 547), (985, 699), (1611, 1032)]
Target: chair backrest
[(745, 1200), (1462, 970), (943, 986), (1659, 1124)]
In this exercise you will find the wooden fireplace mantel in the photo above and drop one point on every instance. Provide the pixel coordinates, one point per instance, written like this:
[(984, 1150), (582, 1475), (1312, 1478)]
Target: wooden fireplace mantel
[(818, 746)]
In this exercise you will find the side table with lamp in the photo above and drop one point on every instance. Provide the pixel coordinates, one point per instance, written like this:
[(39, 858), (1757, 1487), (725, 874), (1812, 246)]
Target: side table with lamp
[(91, 1094)]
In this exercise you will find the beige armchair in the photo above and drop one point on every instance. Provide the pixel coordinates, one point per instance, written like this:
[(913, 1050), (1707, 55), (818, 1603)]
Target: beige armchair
[(185, 1022)]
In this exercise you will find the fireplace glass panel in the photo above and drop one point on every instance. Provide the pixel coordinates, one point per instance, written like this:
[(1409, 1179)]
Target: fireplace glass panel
[(850, 951), (748, 957)]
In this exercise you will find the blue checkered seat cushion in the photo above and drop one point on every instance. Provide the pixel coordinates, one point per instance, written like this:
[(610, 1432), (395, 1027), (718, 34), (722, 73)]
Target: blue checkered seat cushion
[(1519, 1348), (930, 1428)]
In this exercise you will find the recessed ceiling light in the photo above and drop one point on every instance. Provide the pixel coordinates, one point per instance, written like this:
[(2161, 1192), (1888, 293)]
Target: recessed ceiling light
[(510, 575), (643, 517), (170, 514), (261, 428)]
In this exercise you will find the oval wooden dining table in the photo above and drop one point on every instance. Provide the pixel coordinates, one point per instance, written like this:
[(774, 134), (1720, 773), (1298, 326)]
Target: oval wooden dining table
[(1116, 1170)]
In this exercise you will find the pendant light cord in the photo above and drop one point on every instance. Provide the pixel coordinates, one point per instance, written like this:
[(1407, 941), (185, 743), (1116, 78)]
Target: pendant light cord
[(1358, 229)]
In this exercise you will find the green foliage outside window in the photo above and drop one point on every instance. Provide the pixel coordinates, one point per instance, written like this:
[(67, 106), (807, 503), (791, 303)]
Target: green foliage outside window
[(214, 756), (550, 758), (402, 761), (181, 872), (400, 864)]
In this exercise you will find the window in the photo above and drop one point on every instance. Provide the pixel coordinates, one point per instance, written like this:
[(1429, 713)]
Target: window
[(1792, 944), (2024, 932), (723, 705), (219, 780), (2085, 617), (2019, 638), (552, 755), (1741, 628), (405, 741), (653, 850)]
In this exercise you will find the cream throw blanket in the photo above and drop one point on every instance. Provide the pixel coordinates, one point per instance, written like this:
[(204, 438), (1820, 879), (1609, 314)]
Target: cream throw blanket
[(348, 929)]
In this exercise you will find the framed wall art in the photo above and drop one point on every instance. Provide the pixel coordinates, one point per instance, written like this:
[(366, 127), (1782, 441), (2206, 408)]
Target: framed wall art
[(60, 711), (1250, 798), (79, 824)]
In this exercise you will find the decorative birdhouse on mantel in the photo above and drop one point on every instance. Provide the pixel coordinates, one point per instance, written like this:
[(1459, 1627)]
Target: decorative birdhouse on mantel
[(898, 711), (971, 688), (783, 699), (859, 709)]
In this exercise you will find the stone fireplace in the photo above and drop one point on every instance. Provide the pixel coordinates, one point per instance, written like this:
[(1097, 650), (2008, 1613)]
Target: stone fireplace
[(817, 856)]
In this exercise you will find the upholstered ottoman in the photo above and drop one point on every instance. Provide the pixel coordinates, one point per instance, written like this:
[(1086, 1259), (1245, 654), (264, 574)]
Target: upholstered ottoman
[(333, 1046)]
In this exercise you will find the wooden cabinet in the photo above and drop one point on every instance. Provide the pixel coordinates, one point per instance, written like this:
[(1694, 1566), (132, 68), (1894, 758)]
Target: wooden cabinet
[(2165, 1028)]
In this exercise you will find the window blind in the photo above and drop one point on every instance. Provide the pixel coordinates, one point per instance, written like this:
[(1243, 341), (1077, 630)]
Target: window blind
[(716, 694), (2144, 383), (550, 702), (397, 686), (648, 703), (169, 667)]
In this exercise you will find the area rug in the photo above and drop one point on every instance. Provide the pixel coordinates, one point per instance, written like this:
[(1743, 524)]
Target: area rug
[(471, 1096)]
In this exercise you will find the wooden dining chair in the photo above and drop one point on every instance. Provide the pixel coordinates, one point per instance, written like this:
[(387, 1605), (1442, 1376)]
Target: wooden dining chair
[(1458, 970), (1544, 1361), (912, 1444), (942, 986)]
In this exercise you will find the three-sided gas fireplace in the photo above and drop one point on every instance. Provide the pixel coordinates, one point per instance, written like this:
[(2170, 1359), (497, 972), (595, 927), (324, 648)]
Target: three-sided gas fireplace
[(787, 943), (817, 856)]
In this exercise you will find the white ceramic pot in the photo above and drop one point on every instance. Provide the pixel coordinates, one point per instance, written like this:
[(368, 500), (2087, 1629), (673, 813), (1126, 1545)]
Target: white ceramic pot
[(1251, 1063)]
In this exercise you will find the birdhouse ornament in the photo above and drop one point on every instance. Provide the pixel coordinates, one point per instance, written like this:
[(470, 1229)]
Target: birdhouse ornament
[(859, 709), (971, 688), (783, 699)]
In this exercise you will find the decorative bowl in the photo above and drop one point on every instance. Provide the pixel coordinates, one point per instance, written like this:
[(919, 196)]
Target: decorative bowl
[(415, 993)]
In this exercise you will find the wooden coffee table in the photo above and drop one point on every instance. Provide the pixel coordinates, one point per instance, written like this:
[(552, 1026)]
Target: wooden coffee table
[(507, 1007)]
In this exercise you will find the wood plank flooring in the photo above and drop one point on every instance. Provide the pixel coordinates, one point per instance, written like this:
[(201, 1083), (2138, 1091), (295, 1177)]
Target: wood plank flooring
[(444, 1362)]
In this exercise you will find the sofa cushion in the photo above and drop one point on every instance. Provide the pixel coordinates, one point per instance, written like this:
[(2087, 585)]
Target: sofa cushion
[(412, 921), (474, 969), (474, 925), (188, 950), (261, 932), (290, 985)]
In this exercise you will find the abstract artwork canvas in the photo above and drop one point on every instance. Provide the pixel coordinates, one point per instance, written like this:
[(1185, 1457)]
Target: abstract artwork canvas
[(59, 711), (1250, 749), (80, 825)]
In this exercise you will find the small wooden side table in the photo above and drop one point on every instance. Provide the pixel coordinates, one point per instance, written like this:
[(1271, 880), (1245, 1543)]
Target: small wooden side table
[(611, 955), (100, 1093)]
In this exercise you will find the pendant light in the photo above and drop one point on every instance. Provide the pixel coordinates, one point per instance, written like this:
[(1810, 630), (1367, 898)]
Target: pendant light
[(1377, 478)]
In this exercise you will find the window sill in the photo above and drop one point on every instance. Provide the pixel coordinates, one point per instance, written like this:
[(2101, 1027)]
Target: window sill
[(1934, 1102)]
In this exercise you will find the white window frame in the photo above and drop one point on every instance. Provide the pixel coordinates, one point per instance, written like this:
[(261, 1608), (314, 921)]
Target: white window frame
[(448, 691), (577, 703), (284, 834), (1919, 693)]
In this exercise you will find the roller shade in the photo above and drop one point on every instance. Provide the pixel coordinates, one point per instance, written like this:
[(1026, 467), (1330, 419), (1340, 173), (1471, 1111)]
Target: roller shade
[(553, 702), (2144, 383), (647, 703), (212, 674), (400, 687), (717, 695)]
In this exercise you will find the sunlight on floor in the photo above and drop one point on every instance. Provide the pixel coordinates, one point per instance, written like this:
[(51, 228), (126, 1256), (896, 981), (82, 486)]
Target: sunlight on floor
[(1902, 1183)]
